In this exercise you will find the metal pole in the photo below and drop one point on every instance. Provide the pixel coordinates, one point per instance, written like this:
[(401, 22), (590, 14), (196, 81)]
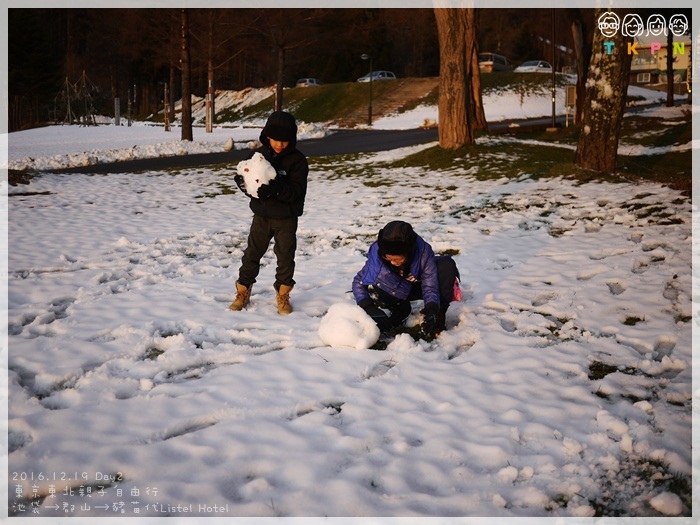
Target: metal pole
[(554, 108), (128, 107), (209, 103), (365, 56), (166, 108), (370, 91)]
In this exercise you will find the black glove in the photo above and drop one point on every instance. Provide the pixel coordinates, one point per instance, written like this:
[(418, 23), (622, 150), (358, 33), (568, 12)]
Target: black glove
[(432, 320), (240, 182), (271, 189), (400, 310), (377, 315)]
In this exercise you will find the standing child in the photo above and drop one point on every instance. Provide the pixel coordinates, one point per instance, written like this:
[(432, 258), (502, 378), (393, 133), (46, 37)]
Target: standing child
[(276, 211), (402, 267)]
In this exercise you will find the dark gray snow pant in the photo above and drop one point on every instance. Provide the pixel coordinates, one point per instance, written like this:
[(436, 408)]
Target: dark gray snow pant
[(262, 231)]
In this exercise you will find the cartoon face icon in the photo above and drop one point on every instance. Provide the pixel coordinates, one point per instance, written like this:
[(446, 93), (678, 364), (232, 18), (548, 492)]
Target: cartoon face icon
[(632, 25), (656, 25), (609, 23), (678, 24)]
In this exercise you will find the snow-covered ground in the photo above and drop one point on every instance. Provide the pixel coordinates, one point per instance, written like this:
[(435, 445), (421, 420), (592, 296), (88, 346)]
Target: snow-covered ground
[(562, 388)]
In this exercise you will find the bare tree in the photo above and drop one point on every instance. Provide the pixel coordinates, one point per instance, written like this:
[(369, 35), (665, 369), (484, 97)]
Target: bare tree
[(605, 100), (286, 30), (456, 102), (580, 31), (213, 31), (186, 119), (668, 14), (475, 75)]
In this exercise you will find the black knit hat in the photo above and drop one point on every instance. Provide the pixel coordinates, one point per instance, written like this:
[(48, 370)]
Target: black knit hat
[(397, 238), (280, 126)]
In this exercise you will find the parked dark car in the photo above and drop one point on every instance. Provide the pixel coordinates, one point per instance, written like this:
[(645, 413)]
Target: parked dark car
[(490, 62)]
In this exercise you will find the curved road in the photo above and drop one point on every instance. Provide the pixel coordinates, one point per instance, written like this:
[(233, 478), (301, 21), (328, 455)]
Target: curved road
[(338, 143)]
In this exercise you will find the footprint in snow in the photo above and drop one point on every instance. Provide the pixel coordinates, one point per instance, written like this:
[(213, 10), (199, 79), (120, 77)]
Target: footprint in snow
[(664, 345), (59, 307), (458, 352), (17, 440), (636, 237), (380, 369), (508, 324), (25, 320), (329, 406), (544, 298), (180, 429), (671, 291), (616, 287), (641, 265)]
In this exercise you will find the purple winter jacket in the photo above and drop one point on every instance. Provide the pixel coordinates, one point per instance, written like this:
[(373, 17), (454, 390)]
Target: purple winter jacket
[(379, 273)]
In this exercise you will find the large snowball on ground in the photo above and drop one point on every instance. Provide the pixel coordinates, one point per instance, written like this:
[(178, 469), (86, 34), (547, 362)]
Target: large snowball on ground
[(348, 325), (255, 171)]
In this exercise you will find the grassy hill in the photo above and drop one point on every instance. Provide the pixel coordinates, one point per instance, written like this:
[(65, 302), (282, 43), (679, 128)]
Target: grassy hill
[(346, 103), (343, 103)]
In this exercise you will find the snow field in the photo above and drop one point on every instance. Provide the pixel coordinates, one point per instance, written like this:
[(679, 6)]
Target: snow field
[(125, 359)]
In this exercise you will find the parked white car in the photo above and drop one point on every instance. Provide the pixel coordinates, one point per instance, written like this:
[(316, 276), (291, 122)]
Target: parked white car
[(378, 75), (308, 82), (534, 66)]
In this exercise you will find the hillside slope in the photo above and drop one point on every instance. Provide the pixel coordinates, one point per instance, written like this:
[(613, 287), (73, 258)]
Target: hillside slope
[(404, 92), (343, 104)]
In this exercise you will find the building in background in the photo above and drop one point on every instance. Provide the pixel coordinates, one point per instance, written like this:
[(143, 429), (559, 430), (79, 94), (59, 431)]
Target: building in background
[(649, 64)]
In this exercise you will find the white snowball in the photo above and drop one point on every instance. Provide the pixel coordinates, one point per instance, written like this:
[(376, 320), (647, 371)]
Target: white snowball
[(255, 171), (508, 474), (348, 325), (499, 501), (667, 504)]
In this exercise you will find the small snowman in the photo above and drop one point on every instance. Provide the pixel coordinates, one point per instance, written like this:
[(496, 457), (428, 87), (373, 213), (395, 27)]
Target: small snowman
[(253, 173), (347, 325)]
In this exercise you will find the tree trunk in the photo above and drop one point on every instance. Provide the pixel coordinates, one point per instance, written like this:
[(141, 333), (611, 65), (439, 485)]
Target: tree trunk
[(185, 68), (455, 111), (171, 92), (479, 115), (280, 78), (669, 70), (582, 49), (605, 99), (210, 109)]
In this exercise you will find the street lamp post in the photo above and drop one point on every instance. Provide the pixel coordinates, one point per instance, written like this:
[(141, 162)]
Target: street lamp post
[(554, 86), (365, 56)]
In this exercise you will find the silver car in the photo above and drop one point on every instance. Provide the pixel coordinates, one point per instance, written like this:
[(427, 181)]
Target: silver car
[(534, 66), (378, 75), (308, 82)]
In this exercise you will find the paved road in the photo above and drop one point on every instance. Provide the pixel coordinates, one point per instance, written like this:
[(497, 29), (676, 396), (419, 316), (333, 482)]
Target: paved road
[(338, 143)]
